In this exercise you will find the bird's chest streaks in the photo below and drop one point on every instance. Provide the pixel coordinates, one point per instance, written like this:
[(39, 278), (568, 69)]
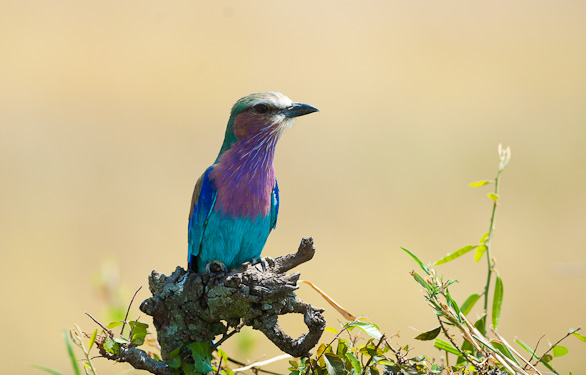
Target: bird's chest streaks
[(245, 178)]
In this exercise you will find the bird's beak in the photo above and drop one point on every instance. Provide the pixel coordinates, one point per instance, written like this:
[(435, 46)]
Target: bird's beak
[(299, 109)]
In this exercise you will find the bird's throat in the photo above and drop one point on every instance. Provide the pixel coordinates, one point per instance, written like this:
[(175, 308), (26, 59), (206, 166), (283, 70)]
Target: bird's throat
[(245, 178)]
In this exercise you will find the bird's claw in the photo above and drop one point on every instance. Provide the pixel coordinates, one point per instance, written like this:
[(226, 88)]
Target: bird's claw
[(263, 262), (215, 267)]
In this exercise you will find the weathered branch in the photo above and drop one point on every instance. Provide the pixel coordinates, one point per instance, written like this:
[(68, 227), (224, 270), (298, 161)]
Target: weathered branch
[(189, 307), (137, 358)]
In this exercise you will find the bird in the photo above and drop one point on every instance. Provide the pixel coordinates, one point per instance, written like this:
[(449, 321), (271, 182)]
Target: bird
[(235, 202)]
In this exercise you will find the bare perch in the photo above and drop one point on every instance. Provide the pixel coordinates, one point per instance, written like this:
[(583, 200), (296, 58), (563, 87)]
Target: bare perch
[(188, 307)]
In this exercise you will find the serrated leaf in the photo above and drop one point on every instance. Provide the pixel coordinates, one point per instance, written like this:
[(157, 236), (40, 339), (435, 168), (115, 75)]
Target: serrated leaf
[(493, 196), (480, 250), (559, 351), (479, 183), (469, 303), (423, 267), (429, 335), (579, 336), (444, 345), (456, 254), (497, 302), (370, 329), (354, 362), (93, 339)]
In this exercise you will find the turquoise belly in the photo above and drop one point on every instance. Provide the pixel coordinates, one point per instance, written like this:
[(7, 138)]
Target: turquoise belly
[(232, 241)]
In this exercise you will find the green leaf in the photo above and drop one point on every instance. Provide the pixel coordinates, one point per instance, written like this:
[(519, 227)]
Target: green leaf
[(423, 267), (579, 336), (453, 304), (497, 302), (121, 340), (480, 325), (331, 330), (480, 250), (174, 362), (479, 183), (342, 348), (111, 346), (469, 303), (189, 369), (535, 356), (354, 362), (559, 351), (370, 329), (115, 324), (202, 356), (334, 364), (455, 254), (421, 282), (493, 196), (444, 345), (47, 369), (429, 335), (483, 238), (504, 351), (435, 369), (71, 354), (175, 352), (93, 339)]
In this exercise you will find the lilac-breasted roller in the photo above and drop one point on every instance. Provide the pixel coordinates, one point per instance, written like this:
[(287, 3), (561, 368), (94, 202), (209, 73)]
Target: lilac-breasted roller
[(236, 201)]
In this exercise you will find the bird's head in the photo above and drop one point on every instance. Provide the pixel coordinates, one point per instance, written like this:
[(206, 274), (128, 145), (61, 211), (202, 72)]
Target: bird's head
[(266, 112)]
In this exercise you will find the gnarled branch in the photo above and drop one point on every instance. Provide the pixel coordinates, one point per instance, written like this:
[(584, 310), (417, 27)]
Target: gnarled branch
[(189, 307)]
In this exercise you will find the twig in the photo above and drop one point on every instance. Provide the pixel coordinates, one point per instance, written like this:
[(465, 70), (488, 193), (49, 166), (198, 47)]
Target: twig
[(227, 336), (464, 354), (258, 369), (128, 310), (106, 330), (504, 341), (372, 356), (331, 342), (554, 345), (132, 329)]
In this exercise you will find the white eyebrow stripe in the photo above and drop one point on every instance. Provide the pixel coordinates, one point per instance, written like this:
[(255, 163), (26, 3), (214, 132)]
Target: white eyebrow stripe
[(274, 99)]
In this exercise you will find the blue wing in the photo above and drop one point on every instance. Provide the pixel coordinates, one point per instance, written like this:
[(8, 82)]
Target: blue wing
[(202, 203), (275, 206)]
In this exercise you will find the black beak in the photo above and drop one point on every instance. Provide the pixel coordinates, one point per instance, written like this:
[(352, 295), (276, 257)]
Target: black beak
[(299, 109)]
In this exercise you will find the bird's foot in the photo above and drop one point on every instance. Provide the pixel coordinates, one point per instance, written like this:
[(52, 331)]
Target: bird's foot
[(263, 262), (215, 267)]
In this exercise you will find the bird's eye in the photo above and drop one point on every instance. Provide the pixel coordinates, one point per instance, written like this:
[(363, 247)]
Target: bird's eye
[(261, 108)]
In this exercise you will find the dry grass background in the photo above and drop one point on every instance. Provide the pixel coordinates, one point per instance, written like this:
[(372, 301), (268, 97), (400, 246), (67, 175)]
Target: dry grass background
[(110, 110)]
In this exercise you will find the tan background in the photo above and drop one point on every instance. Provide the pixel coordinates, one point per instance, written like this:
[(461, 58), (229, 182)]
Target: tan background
[(110, 110)]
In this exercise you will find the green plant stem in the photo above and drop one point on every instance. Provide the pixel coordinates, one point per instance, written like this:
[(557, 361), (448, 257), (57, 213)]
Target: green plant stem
[(487, 244)]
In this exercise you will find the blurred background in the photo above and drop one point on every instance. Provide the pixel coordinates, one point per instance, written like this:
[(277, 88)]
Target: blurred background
[(109, 111)]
